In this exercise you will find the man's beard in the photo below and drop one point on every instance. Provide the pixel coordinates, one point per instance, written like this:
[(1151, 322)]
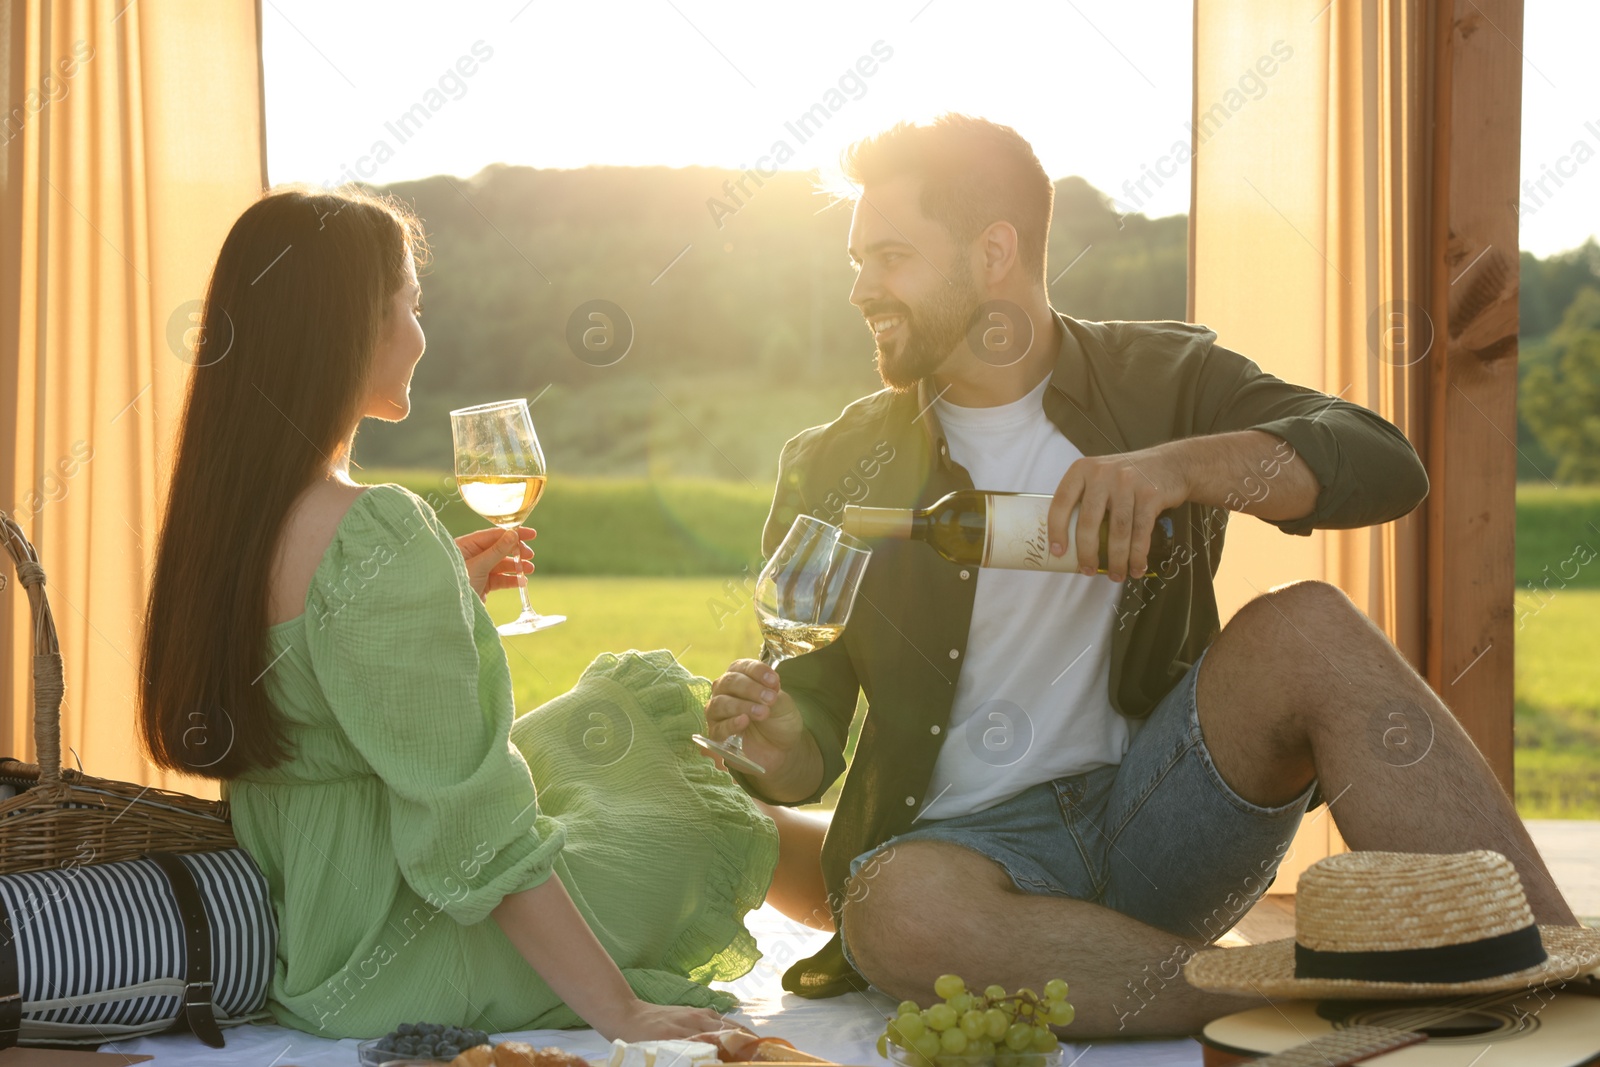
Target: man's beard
[(929, 333)]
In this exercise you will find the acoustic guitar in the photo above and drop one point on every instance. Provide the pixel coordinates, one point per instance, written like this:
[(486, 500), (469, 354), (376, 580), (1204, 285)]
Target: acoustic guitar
[(1523, 1028)]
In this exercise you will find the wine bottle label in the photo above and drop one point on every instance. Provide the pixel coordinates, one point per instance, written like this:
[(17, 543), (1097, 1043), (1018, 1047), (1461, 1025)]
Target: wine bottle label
[(1019, 536)]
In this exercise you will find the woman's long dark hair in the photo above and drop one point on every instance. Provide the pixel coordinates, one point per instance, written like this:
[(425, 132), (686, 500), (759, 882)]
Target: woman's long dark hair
[(296, 306)]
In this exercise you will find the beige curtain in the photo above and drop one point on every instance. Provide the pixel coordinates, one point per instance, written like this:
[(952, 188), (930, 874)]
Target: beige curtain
[(130, 139), (1306, 228)]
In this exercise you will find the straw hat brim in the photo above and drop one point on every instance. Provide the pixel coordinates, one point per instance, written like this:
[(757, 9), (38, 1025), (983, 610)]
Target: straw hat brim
[(1268, 970)]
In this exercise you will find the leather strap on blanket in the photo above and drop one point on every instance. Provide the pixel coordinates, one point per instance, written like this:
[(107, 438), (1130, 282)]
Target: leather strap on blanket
[(10, 983), (197, 1010)]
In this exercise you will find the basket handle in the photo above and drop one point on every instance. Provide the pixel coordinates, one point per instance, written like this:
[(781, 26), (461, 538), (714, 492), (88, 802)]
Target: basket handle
[(48, 683)]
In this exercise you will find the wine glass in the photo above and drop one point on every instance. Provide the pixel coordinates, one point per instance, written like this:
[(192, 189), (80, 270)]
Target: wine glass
[(501, 474), (803, 599)]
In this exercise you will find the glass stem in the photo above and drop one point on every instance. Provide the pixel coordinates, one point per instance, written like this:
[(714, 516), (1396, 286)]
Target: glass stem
[(522, 586)]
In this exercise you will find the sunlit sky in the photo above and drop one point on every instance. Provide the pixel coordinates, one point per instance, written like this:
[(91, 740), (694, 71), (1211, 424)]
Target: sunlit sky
[(1099, 87)]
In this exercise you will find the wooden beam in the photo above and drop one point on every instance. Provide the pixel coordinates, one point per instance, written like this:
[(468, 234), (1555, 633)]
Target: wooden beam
[(1471, 455)]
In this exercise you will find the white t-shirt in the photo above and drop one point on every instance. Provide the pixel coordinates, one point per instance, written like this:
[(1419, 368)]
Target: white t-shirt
[(1031, 703)]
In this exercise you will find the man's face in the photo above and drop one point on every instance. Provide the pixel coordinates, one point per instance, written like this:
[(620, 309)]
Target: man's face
[(913, 283)]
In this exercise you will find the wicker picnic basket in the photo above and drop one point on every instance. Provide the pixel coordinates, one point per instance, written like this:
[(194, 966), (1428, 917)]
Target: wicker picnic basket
[(65, 818)]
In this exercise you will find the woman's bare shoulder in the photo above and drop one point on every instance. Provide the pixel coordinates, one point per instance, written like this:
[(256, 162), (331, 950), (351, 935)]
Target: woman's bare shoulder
[(307, 532)]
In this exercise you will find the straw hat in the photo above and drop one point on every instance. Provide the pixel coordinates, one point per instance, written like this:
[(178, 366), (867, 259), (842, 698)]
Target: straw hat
[(1403, 924)]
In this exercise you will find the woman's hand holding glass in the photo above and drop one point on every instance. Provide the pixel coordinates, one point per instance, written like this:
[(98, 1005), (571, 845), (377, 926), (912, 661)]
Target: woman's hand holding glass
[(501, 473), (491, 564)]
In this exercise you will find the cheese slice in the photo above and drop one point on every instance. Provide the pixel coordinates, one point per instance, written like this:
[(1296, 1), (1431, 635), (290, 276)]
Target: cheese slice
[(623, 1054), (683, 1054), (661, 1054)]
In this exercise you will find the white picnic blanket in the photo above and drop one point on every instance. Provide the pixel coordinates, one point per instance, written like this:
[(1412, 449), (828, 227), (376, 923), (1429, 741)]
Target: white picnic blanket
[(843, 1029)]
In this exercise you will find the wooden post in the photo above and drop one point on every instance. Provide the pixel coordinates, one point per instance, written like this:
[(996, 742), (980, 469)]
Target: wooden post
[(1471, 455)]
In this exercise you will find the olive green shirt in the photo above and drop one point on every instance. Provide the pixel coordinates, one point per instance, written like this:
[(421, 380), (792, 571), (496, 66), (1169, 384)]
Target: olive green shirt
[(1117, 387)]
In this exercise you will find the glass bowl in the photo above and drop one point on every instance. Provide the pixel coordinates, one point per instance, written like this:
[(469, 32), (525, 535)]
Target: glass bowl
[(901, 1057)]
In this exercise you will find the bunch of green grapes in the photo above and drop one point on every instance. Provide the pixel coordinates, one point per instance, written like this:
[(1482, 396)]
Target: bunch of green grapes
[(1007, 1029)]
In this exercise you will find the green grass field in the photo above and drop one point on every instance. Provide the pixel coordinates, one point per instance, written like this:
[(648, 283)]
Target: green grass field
[(651, 564), (1557, 658), (1558, 705), (616, 614), (1558, 529), (616, 526)]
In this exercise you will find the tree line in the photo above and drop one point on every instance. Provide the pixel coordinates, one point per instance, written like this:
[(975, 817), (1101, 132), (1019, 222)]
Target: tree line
[(739, 325)]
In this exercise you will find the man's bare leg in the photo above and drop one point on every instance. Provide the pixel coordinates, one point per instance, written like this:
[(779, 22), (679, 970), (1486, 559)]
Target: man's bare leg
[(1299, 684), (930, 908), (797, 889)]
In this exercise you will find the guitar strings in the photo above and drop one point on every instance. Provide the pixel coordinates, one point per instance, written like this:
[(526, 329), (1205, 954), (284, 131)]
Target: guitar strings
[(1424, 1018), (1432, 1016)]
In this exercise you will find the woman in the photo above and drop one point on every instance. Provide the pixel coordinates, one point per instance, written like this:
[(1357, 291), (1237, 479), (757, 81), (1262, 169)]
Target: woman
[(323, 649)]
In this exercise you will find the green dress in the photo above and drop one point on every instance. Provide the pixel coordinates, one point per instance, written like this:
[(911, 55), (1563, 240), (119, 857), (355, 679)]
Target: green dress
[(407, 810)]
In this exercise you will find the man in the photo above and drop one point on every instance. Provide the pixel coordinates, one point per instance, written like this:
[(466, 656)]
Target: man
[(1153, 765)]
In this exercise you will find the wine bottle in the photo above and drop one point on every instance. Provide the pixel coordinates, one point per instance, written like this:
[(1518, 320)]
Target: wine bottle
[(1006, 530)]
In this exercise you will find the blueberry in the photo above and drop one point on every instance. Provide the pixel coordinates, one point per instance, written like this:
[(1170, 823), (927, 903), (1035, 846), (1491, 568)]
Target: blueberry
[(447, 1051), (404, 1030)]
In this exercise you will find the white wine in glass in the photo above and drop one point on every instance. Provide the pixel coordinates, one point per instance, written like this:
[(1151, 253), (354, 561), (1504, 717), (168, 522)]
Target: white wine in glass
[(501, 473), (803, 601), (503, 499)]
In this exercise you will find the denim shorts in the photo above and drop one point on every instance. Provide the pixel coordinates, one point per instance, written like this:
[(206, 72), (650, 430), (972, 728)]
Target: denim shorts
[(1159, 837)]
